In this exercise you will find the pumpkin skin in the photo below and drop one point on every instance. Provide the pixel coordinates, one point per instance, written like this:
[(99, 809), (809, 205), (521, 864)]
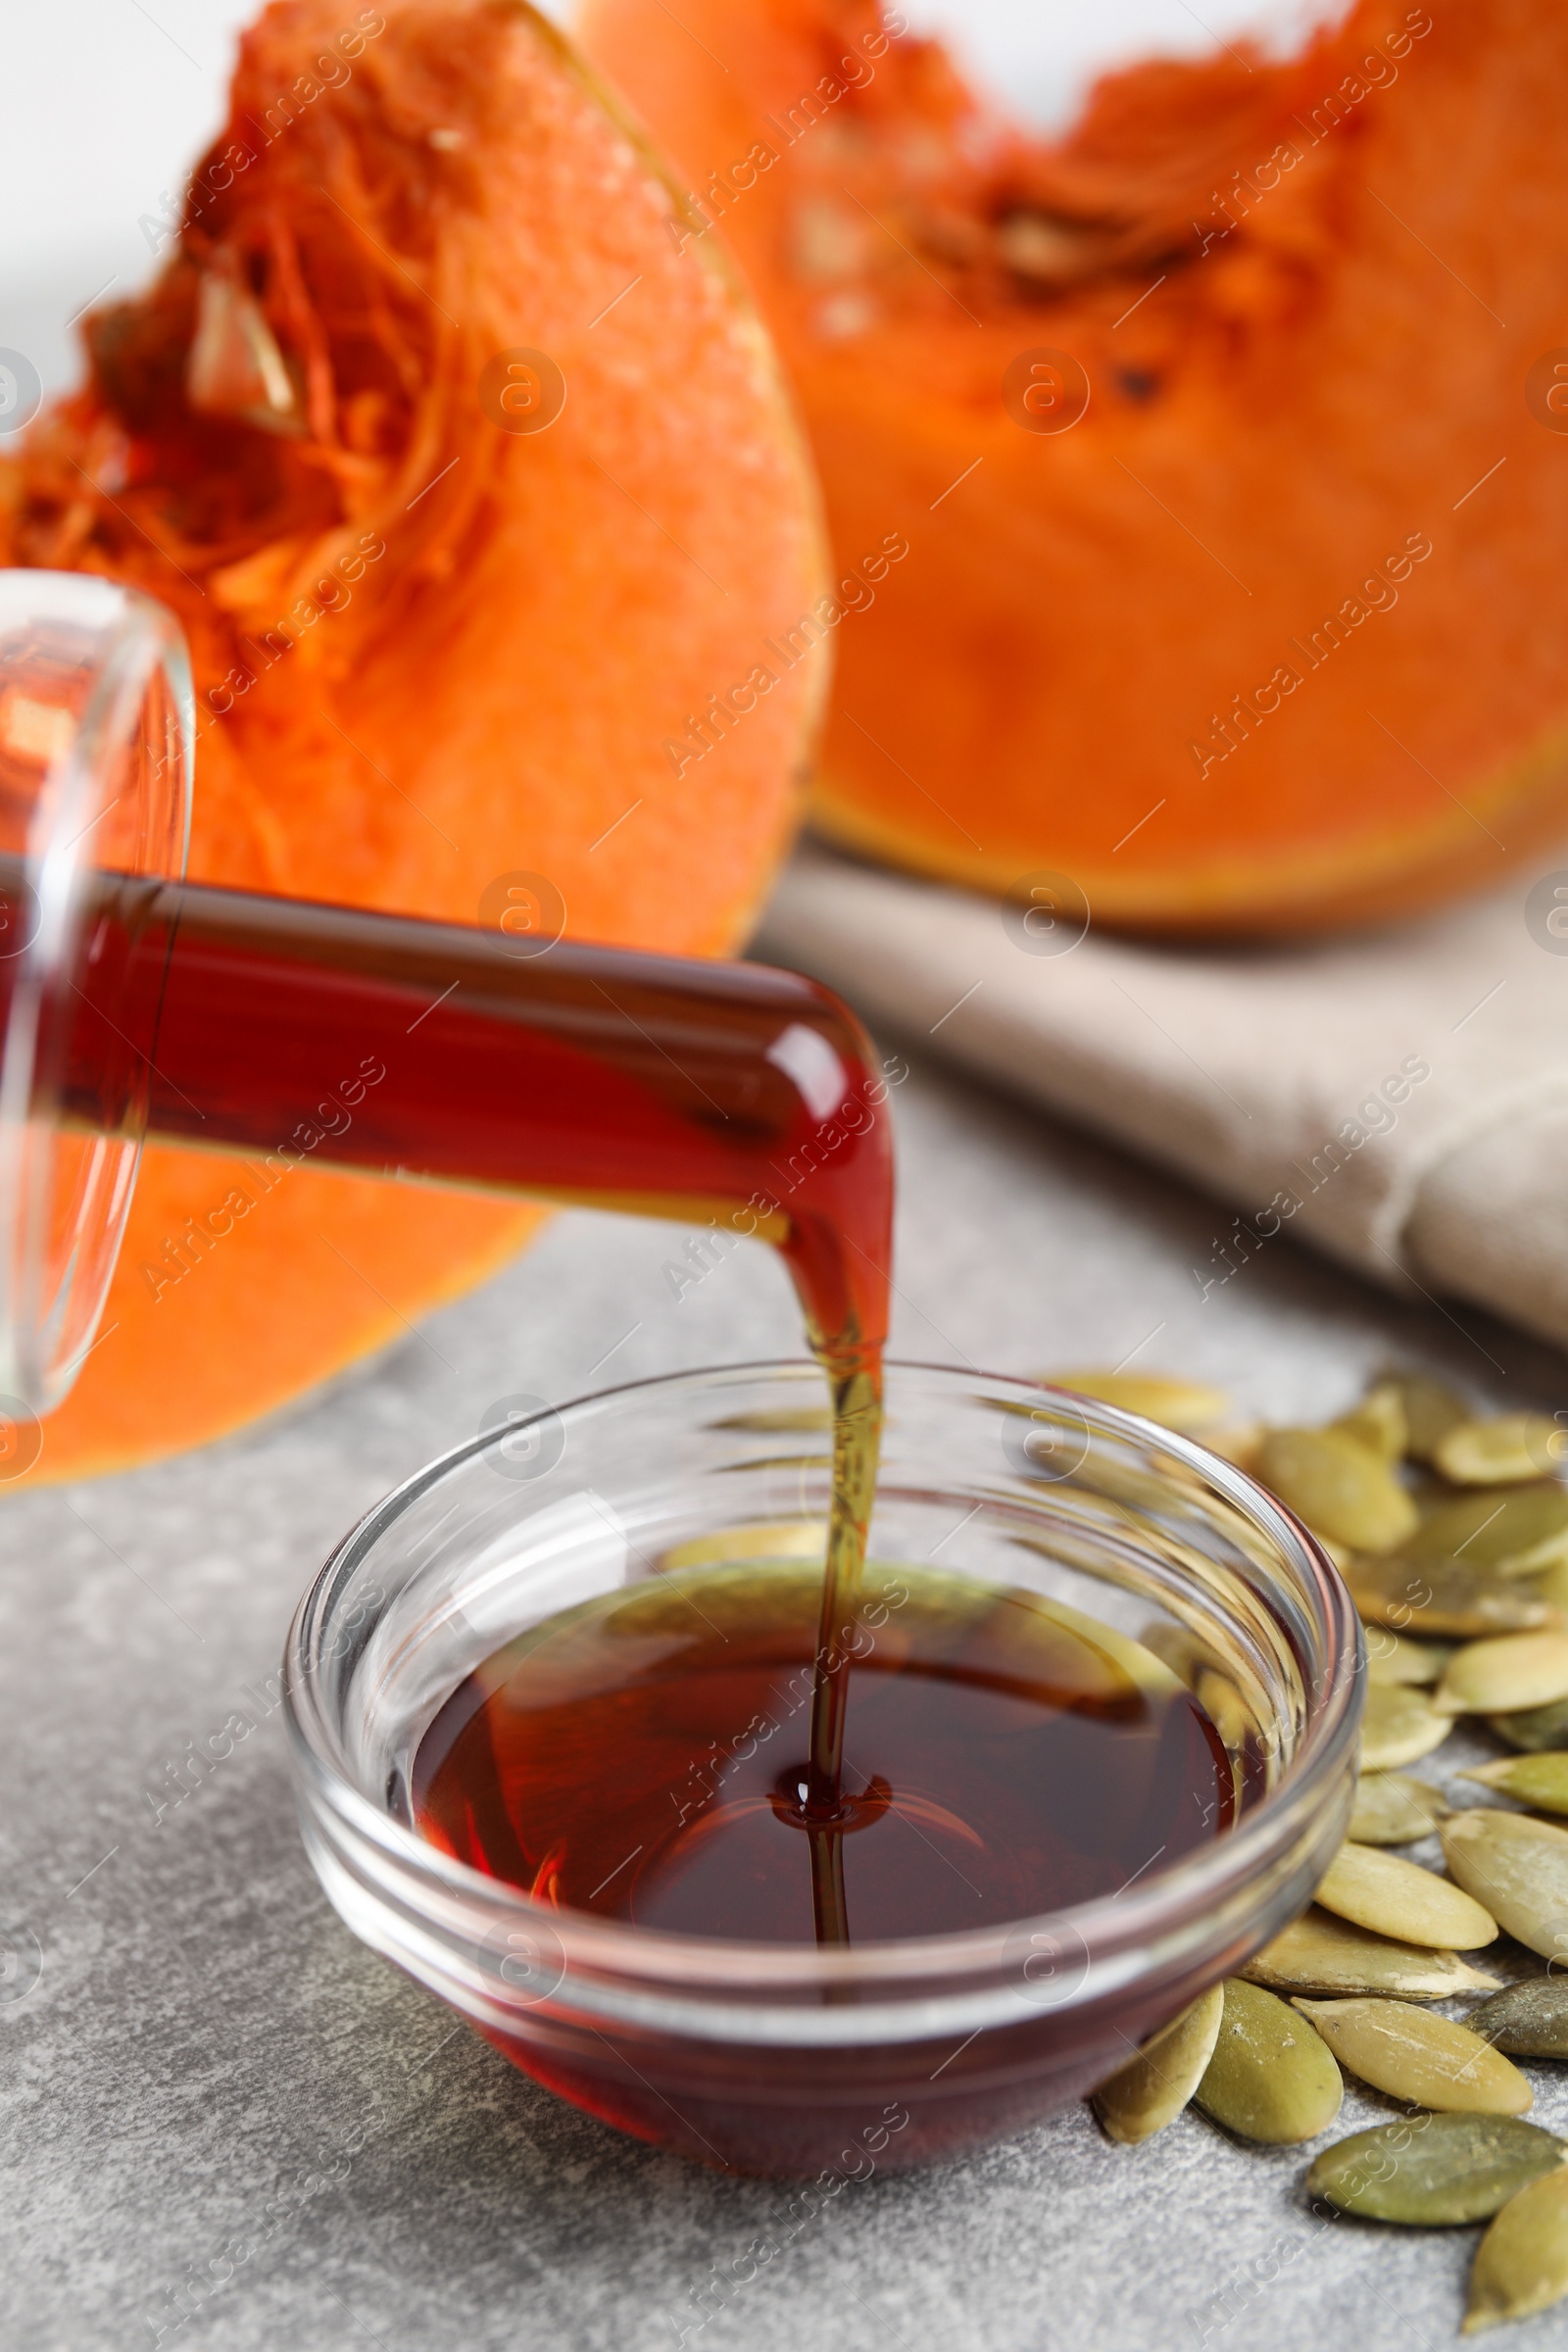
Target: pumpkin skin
[(430, 649), (1269, 637)]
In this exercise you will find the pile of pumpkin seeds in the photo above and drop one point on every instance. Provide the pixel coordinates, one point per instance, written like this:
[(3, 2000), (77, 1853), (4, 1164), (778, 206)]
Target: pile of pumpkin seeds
[(1451, 1532)]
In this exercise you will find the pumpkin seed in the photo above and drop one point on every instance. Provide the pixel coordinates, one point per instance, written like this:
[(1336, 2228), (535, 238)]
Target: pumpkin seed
[(1241, 1445), (1550, 1585), (795, 1419), (1445, 1596), (1391, 1809), (1430, 1412), (1518, 1866), (1391, 1658), (1416, 2055), (1393, 1897), (761, 1540), (1377, 1422), (1528, 2021), (1270, 2079), (1508, 1533), (1339, 1486), (1151, 2090), (1521, 2265), (1516, 1670), (1188, 1657), (1533, 1727), (1398, 1727), (1227, 1710), (1541, 1781), (1319, 1953), (1434, 2170), (1504, 1453), (1182, 1404)]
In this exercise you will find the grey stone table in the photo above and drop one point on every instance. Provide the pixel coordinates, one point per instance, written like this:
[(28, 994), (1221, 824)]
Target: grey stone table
[(227, 2125)]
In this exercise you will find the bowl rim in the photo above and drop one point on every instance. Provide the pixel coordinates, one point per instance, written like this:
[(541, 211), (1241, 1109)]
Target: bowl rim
[(1122, 1923)]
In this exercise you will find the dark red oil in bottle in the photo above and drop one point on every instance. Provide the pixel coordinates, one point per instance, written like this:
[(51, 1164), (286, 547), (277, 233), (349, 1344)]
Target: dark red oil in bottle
[(645, 1756), (712, 1092)]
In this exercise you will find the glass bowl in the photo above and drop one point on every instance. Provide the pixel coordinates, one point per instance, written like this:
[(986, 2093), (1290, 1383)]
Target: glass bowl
[(790, 2059)]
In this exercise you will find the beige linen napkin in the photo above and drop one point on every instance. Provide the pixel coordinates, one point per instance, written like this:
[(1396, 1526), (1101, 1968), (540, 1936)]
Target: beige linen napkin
[(1398, 1097)]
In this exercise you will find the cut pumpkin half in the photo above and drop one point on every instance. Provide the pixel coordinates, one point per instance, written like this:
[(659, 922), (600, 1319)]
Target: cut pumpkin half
[(1227, 438), (478, 496)]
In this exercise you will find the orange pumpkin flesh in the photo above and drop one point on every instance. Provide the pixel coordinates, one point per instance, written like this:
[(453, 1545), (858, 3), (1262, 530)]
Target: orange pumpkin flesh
[(1307, 296), (428, 651)]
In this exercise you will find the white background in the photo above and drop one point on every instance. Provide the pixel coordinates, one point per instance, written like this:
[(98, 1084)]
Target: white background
[(104, 103)]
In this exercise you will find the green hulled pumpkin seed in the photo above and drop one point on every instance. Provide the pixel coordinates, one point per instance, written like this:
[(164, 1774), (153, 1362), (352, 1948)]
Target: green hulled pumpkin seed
[(1338, 1485), (1518, 1866), (1430, 1412), (1377, 1422), (1389, 1896), (1528, 2021), (1521, 2265), (1391, 1809), (1533, 1727), (1434, 2170), (1271, 2079), (1399, 1726), (1151, 2091), (1507, 1534), (1504, 1453), (1414, 2054), (1319, 1953), (1509, 1671), (1411, 1665), (1440, 1598), (1541, 1781)]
